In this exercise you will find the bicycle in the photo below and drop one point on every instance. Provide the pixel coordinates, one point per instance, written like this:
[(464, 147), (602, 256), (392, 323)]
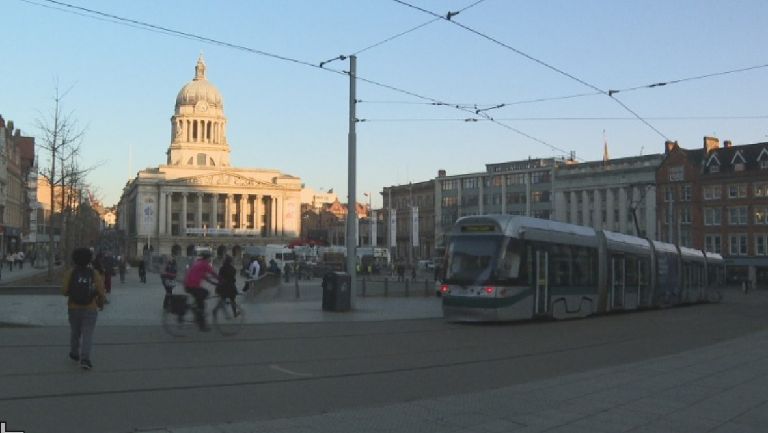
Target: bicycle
[(179, 318)]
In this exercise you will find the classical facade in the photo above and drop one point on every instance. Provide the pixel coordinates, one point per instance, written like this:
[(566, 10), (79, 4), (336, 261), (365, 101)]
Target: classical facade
[(615, 194), (197, 198)]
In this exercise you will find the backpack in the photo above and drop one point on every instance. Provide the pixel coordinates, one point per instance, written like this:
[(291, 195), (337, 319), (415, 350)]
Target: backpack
[(81, 288)]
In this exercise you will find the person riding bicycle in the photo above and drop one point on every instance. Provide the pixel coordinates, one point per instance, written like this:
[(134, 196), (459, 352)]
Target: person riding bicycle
[(200, 271)]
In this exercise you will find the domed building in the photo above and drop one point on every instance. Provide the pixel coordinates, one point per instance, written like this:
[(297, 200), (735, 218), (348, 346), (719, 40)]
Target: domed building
[(197, 199)]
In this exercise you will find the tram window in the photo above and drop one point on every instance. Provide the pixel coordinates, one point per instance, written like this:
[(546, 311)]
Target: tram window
[(509, 265), (643, 273), (584, 268), (559, 265), (630, 272)]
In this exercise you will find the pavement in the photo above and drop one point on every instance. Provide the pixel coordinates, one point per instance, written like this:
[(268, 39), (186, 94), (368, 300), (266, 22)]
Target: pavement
[(721, 388)]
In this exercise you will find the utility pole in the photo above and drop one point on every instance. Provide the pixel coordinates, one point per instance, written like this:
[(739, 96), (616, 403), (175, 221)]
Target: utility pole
[(351, 237)]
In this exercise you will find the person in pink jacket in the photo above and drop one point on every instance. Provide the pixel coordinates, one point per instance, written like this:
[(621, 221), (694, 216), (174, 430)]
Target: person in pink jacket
[(200, 271)]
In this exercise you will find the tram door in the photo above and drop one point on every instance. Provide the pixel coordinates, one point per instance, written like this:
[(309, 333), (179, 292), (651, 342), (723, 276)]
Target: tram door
[(618, 282), (541, 292)]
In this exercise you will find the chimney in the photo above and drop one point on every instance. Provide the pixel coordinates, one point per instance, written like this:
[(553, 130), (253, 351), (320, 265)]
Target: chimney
[(669, 145), (727, 143), (440, 173), (712, 143)]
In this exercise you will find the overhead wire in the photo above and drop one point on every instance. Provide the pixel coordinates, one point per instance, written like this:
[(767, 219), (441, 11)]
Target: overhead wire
[(549, 119), (103, 16), (534, 59), (391, 38)]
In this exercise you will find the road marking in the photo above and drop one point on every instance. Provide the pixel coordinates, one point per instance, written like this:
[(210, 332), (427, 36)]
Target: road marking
[(286, 371)]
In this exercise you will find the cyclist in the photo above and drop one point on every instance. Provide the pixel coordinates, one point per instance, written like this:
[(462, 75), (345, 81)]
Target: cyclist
[(200, 271)]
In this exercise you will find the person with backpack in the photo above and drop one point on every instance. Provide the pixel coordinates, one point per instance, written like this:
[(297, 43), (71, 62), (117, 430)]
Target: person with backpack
[(84, 289), (168, 278)]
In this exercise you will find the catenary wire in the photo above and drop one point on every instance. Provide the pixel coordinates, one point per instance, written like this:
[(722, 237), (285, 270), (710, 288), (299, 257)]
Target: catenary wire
[(549, 119), (391, 38), (534, 59), (168, 31)]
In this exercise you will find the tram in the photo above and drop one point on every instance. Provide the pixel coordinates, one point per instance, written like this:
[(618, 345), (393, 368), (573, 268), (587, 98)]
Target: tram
[(506, 267)]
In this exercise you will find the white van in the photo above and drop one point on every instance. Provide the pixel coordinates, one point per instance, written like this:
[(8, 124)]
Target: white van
[(279, 253)]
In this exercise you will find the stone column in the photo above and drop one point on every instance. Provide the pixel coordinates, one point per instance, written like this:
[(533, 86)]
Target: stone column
[(215, 211), (480, 200), (503, 194), (610, 208), (280, 212), (598, 215), (650, 213), (528, 197), (161, 213), (257, 214), (199, 218), (169, 213), (623, 210), (585, 209), (574, 208), (228, 211), (241, 215), (183, 230)]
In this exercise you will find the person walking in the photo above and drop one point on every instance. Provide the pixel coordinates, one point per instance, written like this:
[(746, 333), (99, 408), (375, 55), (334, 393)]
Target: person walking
[(9, 259), (227, 287), (121, 268), (142, 272), (254, 271), (168, 278), (84, 289)]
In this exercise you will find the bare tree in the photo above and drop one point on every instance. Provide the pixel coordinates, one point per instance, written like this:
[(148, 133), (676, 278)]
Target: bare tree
[(60, 138)]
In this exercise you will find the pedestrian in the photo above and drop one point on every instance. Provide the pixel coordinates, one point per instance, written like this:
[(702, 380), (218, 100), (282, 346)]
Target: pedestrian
[(413, 272), (200, 271), (9, 260), (168, 277), (142, 272), (84, 289), (121, 268), (20, 259), (254, 271), (227, 288)]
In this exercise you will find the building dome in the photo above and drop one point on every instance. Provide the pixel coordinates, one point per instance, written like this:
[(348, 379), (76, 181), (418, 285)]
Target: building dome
[(199, 92)]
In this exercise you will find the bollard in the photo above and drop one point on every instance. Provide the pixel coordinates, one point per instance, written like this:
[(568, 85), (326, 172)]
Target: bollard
[(296, 282), (407, 287), (364, 286), (386, 287)]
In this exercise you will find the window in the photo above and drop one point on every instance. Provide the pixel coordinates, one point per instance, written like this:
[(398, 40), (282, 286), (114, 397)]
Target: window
[(516, 179), (543, 214), (540, 196), (760, 189), (449, 201), (738, 190), (676, 174), (712, 216), (761, 240), (685, 238), (712, 243), (738, 244), (764, 165), (737, 215), (497, 180), (449, 185), (760, 215), (516, 198), (201, 159), (685, 192), (712, 192), (714, 168), (667, 194), (539, 177), (470, 183), (685, 215)]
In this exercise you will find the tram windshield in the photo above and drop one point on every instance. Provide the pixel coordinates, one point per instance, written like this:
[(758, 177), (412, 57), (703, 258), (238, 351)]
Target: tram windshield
[(476, 260)]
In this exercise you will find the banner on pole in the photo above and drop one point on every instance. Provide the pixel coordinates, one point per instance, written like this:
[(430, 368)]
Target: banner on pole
[(415, 226), (392, 228)]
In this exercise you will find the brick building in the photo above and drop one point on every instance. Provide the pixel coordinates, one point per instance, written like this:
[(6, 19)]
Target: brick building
[(716, 198)]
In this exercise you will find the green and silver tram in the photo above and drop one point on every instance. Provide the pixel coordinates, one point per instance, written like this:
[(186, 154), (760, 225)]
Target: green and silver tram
[(504, 267)]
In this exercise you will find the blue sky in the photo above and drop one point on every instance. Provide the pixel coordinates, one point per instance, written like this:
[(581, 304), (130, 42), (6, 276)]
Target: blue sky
[(294, 118)]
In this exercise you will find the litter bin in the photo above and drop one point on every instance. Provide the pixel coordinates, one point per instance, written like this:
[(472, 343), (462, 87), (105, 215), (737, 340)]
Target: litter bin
[(336, 293)]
